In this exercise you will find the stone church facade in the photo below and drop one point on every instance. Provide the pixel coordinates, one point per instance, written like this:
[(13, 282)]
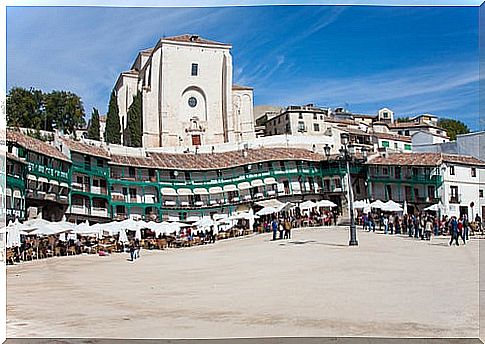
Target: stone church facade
[(188, 98)]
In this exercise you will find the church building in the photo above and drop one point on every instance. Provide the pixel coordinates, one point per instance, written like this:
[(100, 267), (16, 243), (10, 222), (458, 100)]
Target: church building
[(188, 98)]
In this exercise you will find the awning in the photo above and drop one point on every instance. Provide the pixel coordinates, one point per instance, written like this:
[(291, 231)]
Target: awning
[(8, 192), (215, 190), (184, 192), (257, 182), (43, 180), (63, 185), (201, 191), (169, 192), (31, 177), (270, 181), (230, 187), (273, 203), (54, 182), (244, 186), (16, 194)]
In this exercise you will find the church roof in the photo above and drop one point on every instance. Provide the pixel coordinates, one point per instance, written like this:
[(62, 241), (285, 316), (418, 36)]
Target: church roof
[(193, 39), (240, 87)]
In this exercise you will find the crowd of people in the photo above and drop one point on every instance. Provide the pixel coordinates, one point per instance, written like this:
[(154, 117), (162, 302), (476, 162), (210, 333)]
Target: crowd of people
[(423, 225)]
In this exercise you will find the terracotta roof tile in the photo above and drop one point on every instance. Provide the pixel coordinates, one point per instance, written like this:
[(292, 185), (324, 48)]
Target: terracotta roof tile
[(206, 161), (85, 148), (240, 87), (193, 39), (35, 145), (392, 137), (424, 159)]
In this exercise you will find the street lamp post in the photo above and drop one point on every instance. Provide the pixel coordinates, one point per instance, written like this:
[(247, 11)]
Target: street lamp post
[(346, 156)]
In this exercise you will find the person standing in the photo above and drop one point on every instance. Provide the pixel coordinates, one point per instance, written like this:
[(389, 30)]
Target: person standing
[(132, 251), (461, 230), (428, 227), (386, 224), (274, 227), (454, 231), (466, 226)]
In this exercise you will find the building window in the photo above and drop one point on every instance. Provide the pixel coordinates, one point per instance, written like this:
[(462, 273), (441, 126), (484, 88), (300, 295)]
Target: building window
[(288, 127), (321, 117), (100, 163), (407, 147), (452, 170), (454, 194), (389, 191), (480, 193), (279, 120), (195, 69), (386, 115), (385, 171), (301, 126), (316, 127), (131, 172), (287, 117), (315, 116), (300, 116), (474, 172), (400, 132), (395, 145), (406, 133), (385, 143)]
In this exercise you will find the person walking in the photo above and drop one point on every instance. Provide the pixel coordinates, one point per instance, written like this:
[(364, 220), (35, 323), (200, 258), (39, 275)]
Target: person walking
[(461, 230), (466, 226), (132, 251), (386, 224), (454, 231)]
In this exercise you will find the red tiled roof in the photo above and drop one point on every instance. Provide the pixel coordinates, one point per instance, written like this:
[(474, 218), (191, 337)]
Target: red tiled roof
[(206, 161), (10, 156), (193, 39), (35, 145), (85, 148), (394, 137), (424, 159), (341, 121), (239, 87), (462, 159)]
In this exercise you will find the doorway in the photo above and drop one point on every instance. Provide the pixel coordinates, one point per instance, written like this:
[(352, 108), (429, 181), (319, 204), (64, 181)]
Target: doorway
[(195, 140)]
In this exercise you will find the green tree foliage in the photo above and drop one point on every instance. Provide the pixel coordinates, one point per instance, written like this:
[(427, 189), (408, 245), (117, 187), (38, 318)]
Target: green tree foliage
[(25, 109), (93, 129), (453, 127), (112, 133), (65, 110), (44, 111), (403, 119), (134, 119)]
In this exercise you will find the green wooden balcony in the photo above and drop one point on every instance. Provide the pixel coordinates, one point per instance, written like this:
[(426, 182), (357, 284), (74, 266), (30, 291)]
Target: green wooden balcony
[(48, 172), (411, 179)]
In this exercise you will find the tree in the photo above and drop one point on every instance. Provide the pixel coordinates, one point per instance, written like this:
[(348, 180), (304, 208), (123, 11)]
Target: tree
[(65, 110), (93, 129), (134, 119), (453, 127), (403, 119), (112, 133), (25, 109)]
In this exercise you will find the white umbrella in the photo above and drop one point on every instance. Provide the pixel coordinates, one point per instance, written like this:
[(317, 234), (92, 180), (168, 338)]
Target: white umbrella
[(85, 229), (326, 203), (307, 205), (204, 222), (13, 234), (360, 204), (123, 238), (435, 207), (377, 204), (284, 207), (267, 211), (391, 206)]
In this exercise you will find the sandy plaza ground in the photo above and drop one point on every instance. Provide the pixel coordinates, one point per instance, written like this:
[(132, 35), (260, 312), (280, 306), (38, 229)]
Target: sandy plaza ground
[(310, 285)]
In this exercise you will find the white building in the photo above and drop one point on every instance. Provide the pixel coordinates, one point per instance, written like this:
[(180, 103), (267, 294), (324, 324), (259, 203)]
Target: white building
[(423, 179), (188, 98)]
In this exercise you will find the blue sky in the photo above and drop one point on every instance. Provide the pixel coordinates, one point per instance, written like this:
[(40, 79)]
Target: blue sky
[(410, 59)]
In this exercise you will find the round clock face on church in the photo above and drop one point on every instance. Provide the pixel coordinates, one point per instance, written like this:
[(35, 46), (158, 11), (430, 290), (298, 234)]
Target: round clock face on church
[(192, 102)]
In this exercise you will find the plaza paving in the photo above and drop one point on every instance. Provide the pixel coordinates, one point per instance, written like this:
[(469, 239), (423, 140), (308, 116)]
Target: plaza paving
[(311, 285)]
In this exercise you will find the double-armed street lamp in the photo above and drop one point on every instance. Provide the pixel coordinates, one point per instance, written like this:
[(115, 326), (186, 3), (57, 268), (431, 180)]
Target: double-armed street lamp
[(347, 155)]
